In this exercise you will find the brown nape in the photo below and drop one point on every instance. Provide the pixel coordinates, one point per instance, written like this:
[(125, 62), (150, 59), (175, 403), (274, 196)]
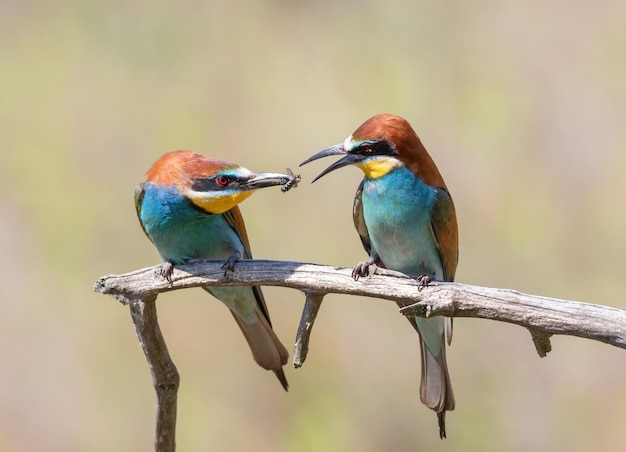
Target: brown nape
[(411, 151), (181, 166)]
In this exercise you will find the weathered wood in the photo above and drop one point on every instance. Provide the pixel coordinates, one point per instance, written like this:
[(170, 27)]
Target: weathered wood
[(312, 306), (542, 314), (165, 378)]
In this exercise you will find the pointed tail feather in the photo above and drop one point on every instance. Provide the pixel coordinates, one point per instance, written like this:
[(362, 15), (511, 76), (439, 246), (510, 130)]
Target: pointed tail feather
[(266, 348), (435, 388)]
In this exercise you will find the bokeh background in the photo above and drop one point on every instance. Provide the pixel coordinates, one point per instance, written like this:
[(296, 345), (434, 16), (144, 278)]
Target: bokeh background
[(521, 104)]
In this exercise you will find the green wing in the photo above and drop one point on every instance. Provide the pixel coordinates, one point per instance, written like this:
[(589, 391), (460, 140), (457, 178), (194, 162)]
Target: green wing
[(444, 229), (139, 194), (235, 220), (359, 221)]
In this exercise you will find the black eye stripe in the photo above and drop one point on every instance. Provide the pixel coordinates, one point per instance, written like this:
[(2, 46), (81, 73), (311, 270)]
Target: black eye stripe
[(202, 184), (212, 183), (382, 147)]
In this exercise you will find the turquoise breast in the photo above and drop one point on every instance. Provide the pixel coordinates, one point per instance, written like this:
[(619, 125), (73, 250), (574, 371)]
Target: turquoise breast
[(397, 211)]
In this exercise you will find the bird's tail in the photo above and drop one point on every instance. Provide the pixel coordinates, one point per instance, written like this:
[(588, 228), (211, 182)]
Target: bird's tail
[(266, 348), (435, 388)]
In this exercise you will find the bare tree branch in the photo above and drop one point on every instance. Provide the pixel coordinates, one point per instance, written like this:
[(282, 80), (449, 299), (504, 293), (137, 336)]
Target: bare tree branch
[(542, 316), (165, 378), (312, 306)]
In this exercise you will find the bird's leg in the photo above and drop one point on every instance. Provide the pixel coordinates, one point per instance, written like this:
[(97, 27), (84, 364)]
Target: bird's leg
[(166, 270), (366, 268), (423, 281), (229, 265)]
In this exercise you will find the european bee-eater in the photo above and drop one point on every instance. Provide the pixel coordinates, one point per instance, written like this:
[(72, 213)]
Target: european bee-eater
[(405, 217), (188, 209)]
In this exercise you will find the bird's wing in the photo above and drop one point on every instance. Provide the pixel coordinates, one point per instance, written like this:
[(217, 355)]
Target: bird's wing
[(359, 221), (444, 229), (139, 193), (235, 220)]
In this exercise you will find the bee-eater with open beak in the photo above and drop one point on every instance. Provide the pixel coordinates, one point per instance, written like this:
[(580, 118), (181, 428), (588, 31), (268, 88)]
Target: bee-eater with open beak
[(188, 209), (406, 219)]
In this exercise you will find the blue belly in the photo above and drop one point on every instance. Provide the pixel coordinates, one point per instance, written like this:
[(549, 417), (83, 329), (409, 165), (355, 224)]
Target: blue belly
[(181, 232), (397, 211)]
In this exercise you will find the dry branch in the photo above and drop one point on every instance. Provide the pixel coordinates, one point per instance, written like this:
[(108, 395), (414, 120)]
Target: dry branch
[(165, 378), (539, 314), (542, 316)]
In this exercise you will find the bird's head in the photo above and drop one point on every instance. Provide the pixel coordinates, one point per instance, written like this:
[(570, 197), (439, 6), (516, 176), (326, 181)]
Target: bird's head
[(213, 185), (379, 145)]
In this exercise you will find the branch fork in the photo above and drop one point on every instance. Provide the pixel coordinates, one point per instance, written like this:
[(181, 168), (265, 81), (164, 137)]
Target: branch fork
[(542, 316)]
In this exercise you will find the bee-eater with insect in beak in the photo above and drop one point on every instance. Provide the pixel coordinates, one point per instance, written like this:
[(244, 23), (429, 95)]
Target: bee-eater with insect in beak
[(406, 219), (188, 209)]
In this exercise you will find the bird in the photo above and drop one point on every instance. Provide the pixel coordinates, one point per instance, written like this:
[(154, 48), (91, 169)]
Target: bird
[(405, 217), (187, 207)]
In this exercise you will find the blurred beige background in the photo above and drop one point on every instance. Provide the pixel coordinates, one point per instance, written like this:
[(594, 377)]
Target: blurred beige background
[(521, 104)]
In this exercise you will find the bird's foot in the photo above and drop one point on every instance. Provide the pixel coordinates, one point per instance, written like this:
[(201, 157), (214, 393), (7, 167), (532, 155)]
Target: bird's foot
[(229, 265), (365, 268), (423, 281), (165, 270)]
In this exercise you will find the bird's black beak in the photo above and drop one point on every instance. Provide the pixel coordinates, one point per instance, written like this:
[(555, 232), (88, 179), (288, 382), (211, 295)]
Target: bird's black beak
[(338, 149), (263, 180)]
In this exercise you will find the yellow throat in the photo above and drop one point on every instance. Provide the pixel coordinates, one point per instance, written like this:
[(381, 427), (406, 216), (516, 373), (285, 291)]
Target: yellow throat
[(378, 167), (221, 203)]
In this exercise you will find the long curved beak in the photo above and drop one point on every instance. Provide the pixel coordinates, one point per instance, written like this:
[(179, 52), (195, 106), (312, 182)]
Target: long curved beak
[(338, 149), (263, 180)]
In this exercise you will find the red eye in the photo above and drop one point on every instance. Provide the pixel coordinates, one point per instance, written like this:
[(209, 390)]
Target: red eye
[(366, 149), (222, 180)]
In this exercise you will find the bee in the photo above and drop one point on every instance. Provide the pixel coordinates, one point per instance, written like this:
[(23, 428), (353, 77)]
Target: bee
[(292, 182)]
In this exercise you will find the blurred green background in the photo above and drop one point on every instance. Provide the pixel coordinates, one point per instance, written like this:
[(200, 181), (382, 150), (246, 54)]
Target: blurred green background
[(521, 104)]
